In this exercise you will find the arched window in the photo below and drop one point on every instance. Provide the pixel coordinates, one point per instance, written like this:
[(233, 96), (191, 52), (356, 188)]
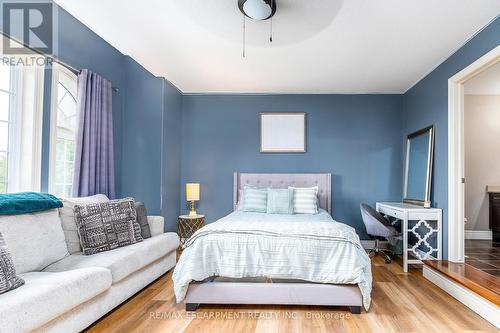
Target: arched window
[(63, 132)]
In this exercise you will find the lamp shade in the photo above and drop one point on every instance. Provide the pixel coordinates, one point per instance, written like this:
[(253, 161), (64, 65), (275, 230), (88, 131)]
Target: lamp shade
[(193, 192)]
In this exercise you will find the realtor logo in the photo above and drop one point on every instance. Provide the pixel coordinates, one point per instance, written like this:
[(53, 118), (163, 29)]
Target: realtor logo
[(31, 23)]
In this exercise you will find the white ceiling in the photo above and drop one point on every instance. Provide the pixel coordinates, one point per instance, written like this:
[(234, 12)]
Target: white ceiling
[(486, 83), (320, 46)]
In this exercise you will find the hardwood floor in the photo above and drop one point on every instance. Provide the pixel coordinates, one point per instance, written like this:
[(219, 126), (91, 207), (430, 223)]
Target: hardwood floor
[(484, 255), (401, 302)]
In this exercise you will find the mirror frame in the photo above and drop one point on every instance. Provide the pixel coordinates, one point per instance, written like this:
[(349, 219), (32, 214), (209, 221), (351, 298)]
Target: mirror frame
[(426, 202)]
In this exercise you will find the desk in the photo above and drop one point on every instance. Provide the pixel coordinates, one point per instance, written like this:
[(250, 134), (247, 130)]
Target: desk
[(421, 228)]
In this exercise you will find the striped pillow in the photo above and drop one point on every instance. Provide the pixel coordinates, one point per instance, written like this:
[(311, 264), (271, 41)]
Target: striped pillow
[(255, 199), (305, 200)]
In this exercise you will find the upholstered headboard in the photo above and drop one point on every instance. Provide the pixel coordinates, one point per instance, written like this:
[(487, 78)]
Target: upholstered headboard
[(283, 180)]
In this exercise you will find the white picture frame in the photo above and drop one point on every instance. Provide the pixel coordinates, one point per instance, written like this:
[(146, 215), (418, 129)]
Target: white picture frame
[(283, 132)]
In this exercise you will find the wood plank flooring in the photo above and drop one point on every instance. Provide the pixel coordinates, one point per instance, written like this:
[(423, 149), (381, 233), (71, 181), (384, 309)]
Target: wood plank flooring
[(484, 255), (401, 302)]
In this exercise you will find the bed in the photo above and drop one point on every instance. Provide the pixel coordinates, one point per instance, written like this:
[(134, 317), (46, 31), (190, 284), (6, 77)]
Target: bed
[(257, 258)]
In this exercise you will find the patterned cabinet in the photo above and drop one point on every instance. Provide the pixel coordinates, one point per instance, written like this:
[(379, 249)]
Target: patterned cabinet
[(421, 228), (188, 225)]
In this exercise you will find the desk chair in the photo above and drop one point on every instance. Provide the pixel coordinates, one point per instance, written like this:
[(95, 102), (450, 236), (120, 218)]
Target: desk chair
[(378, 227)]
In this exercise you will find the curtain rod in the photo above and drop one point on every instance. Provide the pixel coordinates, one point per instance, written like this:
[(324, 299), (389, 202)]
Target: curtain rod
[(53, 58), (73, 69)]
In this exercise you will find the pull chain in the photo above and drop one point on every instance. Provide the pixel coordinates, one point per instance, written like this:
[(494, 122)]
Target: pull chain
[(271, 32), (244, 36)]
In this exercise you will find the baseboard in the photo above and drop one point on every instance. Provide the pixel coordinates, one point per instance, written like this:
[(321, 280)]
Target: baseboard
[(473, 301), (479, 234)]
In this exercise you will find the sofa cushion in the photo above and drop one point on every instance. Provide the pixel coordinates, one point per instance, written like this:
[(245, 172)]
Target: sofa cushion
[(67, 214), (142, 219), (35, 240), (122, 261), (108, 225), (8, 278), (45, 296)]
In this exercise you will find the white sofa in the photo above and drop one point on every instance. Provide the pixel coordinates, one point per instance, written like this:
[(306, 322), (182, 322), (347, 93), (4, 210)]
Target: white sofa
[(66, 291)]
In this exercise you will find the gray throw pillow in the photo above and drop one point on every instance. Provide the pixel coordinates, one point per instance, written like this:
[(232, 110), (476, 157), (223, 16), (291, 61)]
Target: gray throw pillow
[(142, 219), (104, 226), (8, 278)]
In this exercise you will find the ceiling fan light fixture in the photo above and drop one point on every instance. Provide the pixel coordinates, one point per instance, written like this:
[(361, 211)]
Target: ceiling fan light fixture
[(258, 9)]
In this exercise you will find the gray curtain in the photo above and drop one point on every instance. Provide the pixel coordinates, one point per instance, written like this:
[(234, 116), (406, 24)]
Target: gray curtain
[(94, 160)]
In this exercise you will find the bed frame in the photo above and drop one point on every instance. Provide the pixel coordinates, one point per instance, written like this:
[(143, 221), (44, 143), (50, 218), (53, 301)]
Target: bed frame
[(268, 291)]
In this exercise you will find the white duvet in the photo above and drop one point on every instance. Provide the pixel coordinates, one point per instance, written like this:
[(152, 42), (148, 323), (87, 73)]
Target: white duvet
[(313, 248)]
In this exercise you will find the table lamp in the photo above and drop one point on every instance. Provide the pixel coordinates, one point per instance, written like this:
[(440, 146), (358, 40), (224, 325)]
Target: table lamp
[(192, 195)]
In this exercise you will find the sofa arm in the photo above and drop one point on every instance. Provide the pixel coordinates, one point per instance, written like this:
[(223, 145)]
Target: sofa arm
[(156, 225)]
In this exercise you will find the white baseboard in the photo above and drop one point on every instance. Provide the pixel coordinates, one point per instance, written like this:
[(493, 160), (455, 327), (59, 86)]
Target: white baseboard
[(476, 303), (479, 234)]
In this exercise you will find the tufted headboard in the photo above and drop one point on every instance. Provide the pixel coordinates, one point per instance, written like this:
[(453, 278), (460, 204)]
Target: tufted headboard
[(283, 180)]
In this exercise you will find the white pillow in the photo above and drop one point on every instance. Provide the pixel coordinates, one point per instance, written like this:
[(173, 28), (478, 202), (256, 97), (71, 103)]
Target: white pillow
[(305, 200), (68, 219), (35, 240)]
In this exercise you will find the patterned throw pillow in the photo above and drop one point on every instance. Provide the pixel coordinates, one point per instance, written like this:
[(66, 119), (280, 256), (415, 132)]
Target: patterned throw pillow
[(305, 200), (8, 278), (255, 199), (279, 201), (105, 226)]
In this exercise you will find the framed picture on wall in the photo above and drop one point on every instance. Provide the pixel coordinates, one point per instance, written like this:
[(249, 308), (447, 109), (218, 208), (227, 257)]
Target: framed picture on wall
[(283, 132)]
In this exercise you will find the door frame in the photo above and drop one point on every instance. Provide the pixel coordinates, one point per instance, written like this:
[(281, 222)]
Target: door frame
[(456, 175)]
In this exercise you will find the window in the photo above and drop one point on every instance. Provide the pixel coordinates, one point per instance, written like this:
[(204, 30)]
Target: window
[(63, 132), (21, 94), (6, 95)]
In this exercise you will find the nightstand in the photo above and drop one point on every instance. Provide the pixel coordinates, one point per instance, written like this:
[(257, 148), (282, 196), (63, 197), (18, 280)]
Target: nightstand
[(187, 226)]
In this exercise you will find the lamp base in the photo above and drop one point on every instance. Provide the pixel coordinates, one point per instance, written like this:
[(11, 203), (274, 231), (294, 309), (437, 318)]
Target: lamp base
[(192, 209)]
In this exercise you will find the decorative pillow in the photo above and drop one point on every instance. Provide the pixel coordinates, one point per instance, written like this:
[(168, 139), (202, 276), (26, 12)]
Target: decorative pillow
[(305, 200), (8, 278), (67, 214), (142, 219), (108, 225), (255, 199), (279, 201)]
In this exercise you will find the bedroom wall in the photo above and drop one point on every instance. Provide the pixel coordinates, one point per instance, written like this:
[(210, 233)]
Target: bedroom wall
[(139, 108), (427, 103), (171, 155), (142, 136), (357, 138)]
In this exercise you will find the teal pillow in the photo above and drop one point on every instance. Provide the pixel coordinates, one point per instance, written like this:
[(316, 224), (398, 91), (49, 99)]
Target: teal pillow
[(255, 199), (279, 201)]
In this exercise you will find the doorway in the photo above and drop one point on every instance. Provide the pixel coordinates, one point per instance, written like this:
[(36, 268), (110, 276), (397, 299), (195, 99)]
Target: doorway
[(456, 152)]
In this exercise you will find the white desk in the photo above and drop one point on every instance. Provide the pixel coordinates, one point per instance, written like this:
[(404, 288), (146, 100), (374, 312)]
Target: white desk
[(421, 228)]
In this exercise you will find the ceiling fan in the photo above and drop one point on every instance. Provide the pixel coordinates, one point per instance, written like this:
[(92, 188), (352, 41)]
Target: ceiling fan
[(260, 10)]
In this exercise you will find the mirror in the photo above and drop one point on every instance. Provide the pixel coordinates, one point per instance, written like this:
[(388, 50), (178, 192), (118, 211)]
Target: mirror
[(418, 167)]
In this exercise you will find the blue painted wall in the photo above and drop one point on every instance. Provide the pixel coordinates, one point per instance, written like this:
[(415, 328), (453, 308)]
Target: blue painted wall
[(81, 48), (171, 172), (142, 136), (357, 138), (427, 103), (141, 108)]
